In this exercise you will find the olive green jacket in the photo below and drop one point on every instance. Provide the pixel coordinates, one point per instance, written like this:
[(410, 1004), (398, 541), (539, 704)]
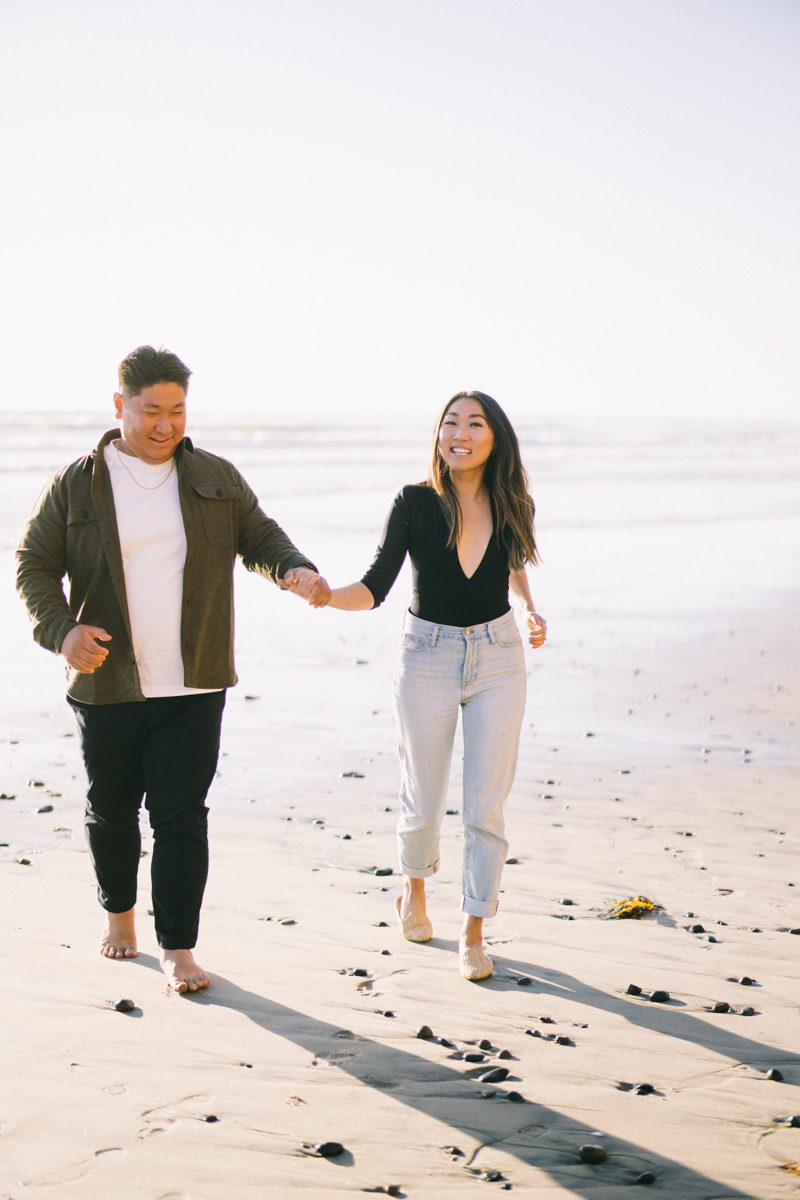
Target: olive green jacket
[(73, 532)]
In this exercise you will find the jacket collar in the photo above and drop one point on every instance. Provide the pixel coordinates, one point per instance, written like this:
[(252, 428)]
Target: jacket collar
[(87, 464)]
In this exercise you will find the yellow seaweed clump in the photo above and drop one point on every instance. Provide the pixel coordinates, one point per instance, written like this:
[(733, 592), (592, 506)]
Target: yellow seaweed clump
[(631, 909)]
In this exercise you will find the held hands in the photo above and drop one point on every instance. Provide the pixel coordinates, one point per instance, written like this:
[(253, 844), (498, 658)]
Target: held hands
[(537, 627), (81, 650), (308, 585)]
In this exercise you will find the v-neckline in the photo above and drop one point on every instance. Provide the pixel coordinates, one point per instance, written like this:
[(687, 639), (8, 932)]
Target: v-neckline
[(480, 564)]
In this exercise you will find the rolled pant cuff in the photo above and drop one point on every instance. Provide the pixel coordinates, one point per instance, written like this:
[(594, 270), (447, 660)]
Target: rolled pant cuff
[(419, 872), (478, 908)]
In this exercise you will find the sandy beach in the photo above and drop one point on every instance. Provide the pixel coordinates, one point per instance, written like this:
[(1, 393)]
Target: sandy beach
[(658, 758)]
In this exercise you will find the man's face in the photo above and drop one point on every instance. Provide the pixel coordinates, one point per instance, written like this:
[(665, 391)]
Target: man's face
[(152, 423)]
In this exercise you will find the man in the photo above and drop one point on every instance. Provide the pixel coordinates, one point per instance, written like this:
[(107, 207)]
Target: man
[(147, 529)]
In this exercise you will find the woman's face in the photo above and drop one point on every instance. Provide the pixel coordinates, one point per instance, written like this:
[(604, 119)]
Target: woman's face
[(465, 438)]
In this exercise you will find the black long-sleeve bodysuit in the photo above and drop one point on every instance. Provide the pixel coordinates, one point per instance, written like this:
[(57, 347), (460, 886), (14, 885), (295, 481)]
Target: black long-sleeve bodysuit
[(442, 593)]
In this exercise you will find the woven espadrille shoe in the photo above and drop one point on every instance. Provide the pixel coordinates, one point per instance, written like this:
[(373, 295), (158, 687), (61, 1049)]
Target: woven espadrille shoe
[(474, 964), (415, 927)]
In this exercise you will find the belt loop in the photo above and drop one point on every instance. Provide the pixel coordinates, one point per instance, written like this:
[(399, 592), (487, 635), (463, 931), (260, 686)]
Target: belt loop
[(492, 632), (434, 635)]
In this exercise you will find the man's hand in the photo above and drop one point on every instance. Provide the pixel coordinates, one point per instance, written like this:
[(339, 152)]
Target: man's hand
[(537, 628), (81, 650), (308, 585)]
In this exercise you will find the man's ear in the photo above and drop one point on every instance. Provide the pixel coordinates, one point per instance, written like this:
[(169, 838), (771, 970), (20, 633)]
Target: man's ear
[(118, 405)]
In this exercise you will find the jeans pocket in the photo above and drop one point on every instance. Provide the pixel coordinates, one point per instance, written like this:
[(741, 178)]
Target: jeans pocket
[(410, 641), (510, 639)]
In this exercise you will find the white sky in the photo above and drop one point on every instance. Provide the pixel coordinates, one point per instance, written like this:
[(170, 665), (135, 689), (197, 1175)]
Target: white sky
[(351, 209)]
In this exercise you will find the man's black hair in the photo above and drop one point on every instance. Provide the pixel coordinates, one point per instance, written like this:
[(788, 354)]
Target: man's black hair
[(145, 366)]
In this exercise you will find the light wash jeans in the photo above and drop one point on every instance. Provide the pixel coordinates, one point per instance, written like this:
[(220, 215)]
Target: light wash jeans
[(482, 671)]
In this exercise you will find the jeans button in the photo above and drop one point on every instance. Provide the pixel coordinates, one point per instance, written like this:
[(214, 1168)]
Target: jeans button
[(468, 631)]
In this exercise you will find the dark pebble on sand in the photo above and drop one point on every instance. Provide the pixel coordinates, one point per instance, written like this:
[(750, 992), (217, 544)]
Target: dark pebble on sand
[(563, 1041), (689, 914), (386, 952), (794, 1122), (512, 862), (288, 921), (329, 1149), (362, 974), (515, 1097), (393, 1190), (645, 1178), (721, 1006), (446, 1042), (388, 1013), (474, 1058), (210, 1118), (346, 837), (504, 1054), (24, 862), (775, 1075), (710, 938), (794, 931), (592, 1153), (753, 928), (493, 1176), (633, 989), (533, 1032), (746, 981), (383, 871), (747, 1011), (488, 1095), (424, 1031), (566, 901), (495, 1076), (524, 981), (547, 1020), (659, 997), (697, 929), (484, 1044), (124, 1006), (381, 924), (644, 1089), (45, 808)]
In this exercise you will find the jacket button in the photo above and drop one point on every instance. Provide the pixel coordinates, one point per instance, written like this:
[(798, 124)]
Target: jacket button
[(86, 514), (219, 493)]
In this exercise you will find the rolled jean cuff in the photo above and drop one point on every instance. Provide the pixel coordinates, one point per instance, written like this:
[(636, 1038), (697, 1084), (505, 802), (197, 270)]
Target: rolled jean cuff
[(419, 872), (478, 908)]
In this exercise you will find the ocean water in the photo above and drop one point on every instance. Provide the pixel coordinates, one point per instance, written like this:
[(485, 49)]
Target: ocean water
[(657, 540), (659, 517)]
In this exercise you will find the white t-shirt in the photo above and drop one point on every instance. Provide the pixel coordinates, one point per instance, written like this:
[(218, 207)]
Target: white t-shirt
[(153, 543)]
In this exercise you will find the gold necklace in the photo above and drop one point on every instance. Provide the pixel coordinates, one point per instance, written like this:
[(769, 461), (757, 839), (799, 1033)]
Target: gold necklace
[(136, 481)]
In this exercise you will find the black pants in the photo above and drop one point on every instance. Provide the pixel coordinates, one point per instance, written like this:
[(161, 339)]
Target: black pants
[(164, 750)]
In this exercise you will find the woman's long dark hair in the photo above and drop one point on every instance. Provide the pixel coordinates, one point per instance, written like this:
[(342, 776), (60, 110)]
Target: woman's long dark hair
[(506, 481)]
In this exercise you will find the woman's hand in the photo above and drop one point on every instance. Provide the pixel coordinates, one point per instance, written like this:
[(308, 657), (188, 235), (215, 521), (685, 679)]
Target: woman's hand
[(308, 585), (537, 628)]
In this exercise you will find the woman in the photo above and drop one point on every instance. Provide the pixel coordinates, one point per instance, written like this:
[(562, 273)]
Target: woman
[(469, 532)]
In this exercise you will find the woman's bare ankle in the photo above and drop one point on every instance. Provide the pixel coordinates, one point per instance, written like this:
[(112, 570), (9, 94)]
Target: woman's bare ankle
[(413, 897), (472, 933)]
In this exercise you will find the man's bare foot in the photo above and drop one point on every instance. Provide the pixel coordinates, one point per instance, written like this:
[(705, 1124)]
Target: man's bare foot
[(119, 936), (182, 972)]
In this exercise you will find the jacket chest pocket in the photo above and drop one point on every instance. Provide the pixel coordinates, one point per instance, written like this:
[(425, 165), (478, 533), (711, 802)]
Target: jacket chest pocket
[(83, 530), (218, 508)]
